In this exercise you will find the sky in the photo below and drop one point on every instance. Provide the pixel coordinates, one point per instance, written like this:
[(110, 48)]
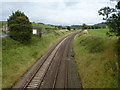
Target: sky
[(57, 12)]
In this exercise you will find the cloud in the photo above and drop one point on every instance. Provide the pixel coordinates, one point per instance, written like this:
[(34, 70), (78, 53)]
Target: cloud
[(65, 12), (115, 0)]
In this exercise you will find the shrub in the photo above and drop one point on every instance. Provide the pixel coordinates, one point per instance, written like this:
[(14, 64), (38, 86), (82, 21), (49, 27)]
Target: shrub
[(93, 44), (68, 28)]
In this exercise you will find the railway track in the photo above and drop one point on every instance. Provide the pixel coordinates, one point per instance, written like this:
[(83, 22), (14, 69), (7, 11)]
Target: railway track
[(52, 71)]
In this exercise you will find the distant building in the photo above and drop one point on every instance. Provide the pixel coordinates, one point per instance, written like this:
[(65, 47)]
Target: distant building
[(5, 28), (34, 30)]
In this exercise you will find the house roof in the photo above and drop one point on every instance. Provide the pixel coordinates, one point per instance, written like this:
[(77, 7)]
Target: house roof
[(35, 27)]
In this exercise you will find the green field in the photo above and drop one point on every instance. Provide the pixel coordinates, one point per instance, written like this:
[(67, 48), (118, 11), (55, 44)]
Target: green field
[(42, 25), (18, 58), (96, 59)]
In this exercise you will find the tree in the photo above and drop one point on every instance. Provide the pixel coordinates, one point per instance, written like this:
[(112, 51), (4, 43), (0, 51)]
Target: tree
[(113, 22), (20, 28), (59, 27), (68, 28), (112, 17), (84, 26), (105, 12), (118, 5)]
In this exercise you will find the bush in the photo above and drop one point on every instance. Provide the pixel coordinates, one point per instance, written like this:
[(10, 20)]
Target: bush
[(68, 28), (20, 28), (93, 44)]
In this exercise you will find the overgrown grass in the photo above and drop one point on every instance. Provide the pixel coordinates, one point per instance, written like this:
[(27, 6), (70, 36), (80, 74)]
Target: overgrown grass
[(96, 59), (18, 58), (0, 62)]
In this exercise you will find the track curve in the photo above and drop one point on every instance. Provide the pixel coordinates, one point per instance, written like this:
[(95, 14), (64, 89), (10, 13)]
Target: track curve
[(53, 69)]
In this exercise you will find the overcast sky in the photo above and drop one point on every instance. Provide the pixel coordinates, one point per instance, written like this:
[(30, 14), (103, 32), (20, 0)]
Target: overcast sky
[(58, 12)]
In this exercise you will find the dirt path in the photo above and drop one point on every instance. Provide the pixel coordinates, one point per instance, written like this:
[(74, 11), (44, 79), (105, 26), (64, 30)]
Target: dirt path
[(55, 69)]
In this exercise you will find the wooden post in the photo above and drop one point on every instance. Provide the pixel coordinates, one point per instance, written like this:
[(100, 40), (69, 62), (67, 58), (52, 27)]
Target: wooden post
[(40, 32)]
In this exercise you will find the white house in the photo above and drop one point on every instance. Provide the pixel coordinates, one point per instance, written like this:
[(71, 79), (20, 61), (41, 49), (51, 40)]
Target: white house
[(34, 30), (5, 29)]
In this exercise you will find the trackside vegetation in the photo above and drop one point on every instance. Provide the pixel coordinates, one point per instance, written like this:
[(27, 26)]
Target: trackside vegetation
[(96, 58), (17, 58), (0, 62)]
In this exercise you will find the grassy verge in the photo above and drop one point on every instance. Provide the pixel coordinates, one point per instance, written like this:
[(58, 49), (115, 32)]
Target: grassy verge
[(96, 59), (0, 62), (18, 58)]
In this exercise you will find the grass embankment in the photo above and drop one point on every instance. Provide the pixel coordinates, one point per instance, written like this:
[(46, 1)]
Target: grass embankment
[(96, 59), (1, 23), (18, 58), (0, 62)]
